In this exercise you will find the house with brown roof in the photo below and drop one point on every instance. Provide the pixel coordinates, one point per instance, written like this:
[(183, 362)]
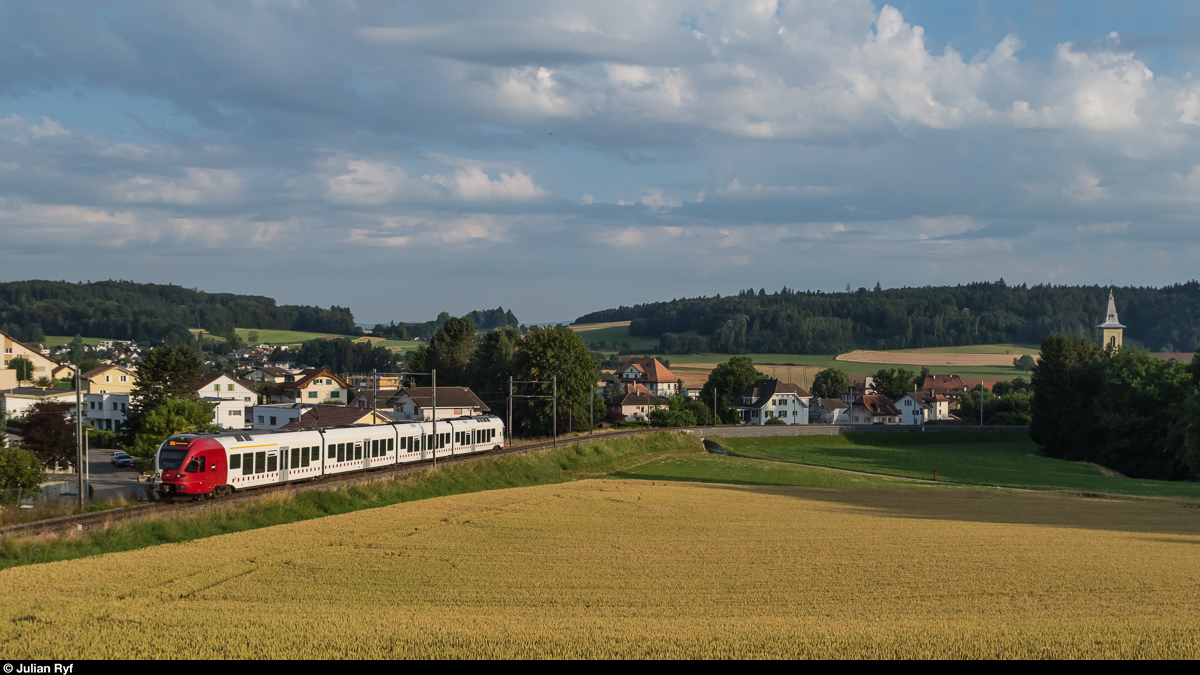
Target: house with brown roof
[(637, 407), (415, 403), (921, 407), (874, 409), (11, 349), (314, 385), (829, 411), (772, 399), (950, 386), (650, 373), (109, 379), (326, 416)]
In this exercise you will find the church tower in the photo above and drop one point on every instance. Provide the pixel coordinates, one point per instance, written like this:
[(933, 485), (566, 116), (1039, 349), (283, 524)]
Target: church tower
[(1111, 329)]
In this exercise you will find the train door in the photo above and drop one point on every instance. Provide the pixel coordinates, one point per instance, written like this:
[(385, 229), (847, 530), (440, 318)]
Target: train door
[(370, 451), (283, 463)]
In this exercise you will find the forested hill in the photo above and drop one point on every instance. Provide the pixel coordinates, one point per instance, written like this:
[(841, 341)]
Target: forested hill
[(1162, 319), (125, 310)]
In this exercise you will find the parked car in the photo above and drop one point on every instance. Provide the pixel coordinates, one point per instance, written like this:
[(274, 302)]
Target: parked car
[(120, 459)]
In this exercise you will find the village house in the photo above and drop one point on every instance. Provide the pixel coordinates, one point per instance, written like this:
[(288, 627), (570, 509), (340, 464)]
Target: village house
[(232, 399), (416, 403), (829, 411), (42, 364), (950, 386), (326, 416), (270, 375), (921, 407), (18, 402), (314, 385), (649, 373), (637, 407), (771, 399), (109, 379), (874, 409), (106, 411)]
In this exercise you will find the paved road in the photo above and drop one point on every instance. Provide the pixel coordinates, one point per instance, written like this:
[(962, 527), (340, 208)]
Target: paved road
[(110, 481)]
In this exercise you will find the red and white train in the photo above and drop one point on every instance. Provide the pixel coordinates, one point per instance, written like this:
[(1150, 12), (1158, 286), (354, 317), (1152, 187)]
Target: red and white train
[(216, 464)]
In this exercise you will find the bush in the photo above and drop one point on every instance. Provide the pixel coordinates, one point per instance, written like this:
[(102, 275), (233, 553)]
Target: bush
[(19, 468)]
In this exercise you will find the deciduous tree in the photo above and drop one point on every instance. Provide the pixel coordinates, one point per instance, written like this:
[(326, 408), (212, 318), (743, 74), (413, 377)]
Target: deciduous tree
[(173, 416), (729, 379), (547, 353), (49, 435), (830, 383), (451, 349)]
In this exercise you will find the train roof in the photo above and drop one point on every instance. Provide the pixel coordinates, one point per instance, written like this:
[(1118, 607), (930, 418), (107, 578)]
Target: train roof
[(237, 433)]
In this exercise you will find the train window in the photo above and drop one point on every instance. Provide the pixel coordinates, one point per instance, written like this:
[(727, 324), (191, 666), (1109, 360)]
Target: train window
[(295, 458), (247, 463), (358, 451), (341, 450), (273, 462), (374, 448), (304, 457), (332, 450), (235, 462), (260, 462), (391, 444), (316, 450)]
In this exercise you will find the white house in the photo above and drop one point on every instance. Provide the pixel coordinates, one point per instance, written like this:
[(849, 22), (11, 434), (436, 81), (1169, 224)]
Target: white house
[(232, 399), (649, 373), (18, 402), (921, 407), (107, 411), (771, 399), (415, 403)]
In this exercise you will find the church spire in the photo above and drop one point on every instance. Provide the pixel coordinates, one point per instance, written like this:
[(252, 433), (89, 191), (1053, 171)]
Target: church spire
[(1110, 319), (1111, 330)]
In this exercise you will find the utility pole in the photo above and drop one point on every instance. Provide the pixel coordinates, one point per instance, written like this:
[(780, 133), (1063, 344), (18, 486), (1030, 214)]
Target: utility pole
[(555, 414), (79, 432), (509, 403), (435, 434)]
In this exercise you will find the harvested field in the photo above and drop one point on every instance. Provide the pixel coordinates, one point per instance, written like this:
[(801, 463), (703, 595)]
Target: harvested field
[(584, 327), (696, 374), (929, 358), (638, 569)]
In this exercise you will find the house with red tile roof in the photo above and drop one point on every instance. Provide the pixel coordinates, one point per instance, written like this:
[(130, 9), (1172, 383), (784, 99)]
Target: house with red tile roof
[(874, 409), (650, 373)]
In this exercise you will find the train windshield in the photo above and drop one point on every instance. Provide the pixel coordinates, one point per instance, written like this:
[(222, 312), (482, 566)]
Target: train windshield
[(171, 456)]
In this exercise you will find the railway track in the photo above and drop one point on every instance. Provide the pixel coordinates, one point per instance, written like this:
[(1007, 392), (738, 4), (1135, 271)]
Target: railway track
[(85, 522)]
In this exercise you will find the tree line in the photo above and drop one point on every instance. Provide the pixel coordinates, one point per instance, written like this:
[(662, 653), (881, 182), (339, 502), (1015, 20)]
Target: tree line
[(814, 322), (125, 310), (484, 319), (1123, 409)]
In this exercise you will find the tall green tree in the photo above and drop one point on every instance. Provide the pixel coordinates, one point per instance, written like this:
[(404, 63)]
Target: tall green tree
[(451, 349), (730, 379), (547, 353), (165, 373), (894, 383), (830, 383), (1140, 399), (24, 368), (173, 416), (492, 363), (78, 349), (1065, 382)]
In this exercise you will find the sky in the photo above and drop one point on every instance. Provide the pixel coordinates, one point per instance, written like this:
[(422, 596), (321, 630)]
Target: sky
[(558, 157)]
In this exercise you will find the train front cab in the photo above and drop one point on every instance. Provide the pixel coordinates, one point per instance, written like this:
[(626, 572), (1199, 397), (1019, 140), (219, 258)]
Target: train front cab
[(191, 467)]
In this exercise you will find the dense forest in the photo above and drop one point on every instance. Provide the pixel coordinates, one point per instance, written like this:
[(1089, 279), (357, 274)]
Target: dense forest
[(125, 310), (484, 319), (812, 322)]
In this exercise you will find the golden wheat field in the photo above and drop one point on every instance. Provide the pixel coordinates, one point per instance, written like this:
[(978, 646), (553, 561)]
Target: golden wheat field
[(608, 568)]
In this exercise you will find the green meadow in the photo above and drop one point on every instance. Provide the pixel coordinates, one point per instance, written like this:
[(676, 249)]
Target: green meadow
[(1002, 459)]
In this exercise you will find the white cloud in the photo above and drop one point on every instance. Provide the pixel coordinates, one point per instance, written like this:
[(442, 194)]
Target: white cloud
[(198, 186), (376, 183)]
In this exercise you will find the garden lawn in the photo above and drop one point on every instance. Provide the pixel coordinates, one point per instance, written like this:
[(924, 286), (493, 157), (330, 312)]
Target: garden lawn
[(998, 458)]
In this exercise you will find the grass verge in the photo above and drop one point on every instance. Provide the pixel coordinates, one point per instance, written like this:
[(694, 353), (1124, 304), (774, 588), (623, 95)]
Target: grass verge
[(572, 462)]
